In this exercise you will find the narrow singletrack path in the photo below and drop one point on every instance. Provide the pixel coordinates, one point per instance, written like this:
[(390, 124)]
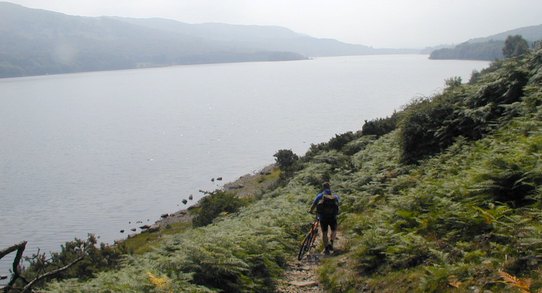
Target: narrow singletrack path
[(302, 276)]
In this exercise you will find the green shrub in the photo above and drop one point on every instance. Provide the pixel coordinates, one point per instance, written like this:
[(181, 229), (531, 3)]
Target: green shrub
[(370, 255), (97, 259), (357, 145), (286, 160), (419, 127), (409, 250), (337, 143), (340, 140), (453, 82), (431, 125), (475, 77), (515, 46), (315, 174), (380, 126), (512, 177), (215, 203), (505, 90)]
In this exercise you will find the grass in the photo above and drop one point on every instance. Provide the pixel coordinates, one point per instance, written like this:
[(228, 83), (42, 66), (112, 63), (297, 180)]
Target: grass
[(147, 241)]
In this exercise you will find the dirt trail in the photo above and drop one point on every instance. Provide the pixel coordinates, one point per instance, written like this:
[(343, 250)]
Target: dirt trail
[(302, 276)]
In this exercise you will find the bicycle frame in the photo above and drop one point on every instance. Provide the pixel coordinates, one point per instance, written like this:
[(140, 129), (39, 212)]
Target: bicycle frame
[(309, 239)]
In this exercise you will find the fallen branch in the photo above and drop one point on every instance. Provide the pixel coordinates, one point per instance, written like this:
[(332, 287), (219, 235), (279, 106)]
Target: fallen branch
[(28, 286), (11, 249), (16, 266)]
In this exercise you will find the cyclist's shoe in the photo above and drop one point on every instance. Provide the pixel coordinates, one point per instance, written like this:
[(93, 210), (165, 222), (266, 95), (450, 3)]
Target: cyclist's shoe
[(328, 250)]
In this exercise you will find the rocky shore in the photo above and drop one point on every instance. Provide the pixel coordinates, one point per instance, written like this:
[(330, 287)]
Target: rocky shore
[(247, 185)]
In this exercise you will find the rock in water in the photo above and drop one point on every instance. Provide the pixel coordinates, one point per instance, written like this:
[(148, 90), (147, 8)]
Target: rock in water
[(153, 228), (185, 201)]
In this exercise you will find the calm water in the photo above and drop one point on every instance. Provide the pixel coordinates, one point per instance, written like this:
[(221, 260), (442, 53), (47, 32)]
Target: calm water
[(88, 153)]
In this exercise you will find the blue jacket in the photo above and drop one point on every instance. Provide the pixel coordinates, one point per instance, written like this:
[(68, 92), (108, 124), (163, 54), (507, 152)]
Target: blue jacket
[(319, 198)]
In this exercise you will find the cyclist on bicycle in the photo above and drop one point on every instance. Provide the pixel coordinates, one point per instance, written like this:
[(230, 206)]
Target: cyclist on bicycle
[(327, 206)]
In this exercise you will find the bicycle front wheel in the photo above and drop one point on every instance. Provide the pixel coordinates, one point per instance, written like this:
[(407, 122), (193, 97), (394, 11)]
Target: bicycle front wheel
[(305, 245)]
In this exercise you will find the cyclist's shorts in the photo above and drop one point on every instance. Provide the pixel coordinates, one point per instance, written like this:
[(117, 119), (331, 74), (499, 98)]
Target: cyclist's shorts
[(328, 221)]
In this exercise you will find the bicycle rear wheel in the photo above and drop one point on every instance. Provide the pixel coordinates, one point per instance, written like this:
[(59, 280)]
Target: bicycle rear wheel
[(305, 245)]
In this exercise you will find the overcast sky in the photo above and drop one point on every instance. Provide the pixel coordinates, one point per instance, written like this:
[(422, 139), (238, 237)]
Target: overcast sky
[(377, 23)]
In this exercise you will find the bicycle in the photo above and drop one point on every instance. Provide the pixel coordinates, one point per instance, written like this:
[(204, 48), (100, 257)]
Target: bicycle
[(308, 241)]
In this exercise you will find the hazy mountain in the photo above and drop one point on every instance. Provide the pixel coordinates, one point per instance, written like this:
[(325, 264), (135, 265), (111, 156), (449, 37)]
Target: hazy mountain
[(272, 38), (43, 42), (487, 48), (38, 42)]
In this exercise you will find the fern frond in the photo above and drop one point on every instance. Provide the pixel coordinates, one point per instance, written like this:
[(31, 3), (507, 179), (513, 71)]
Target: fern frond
[(158, 282), (523, 284)]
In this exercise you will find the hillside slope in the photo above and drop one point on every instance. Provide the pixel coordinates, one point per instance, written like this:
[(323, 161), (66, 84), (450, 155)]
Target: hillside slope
[(441, 197)]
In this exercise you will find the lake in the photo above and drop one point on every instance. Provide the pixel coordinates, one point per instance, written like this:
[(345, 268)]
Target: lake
[(91, 152)]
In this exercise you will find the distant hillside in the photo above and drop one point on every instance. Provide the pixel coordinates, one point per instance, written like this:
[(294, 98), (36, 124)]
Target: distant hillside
[(487, 48), (271, 38), (36, 42), (531, 33), (490, 50)]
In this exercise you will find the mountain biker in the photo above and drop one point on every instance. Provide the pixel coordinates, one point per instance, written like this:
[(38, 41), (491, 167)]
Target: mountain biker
[(327, 206)]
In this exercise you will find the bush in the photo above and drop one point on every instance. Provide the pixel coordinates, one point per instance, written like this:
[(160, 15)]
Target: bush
[(428, 126), (97, 259), (212, 205), (287, 162), (505, 90), (380, 126), (315, 174), (515, 46), (340, 140), (338, 143), (357, 145), (475, 77), (453, 82), (419, 126), (508, 181)]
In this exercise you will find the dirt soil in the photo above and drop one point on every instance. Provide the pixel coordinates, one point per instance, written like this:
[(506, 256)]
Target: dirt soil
[(302, 276)]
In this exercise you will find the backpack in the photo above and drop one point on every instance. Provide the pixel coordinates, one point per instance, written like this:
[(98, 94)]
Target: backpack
[(327, 206)]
